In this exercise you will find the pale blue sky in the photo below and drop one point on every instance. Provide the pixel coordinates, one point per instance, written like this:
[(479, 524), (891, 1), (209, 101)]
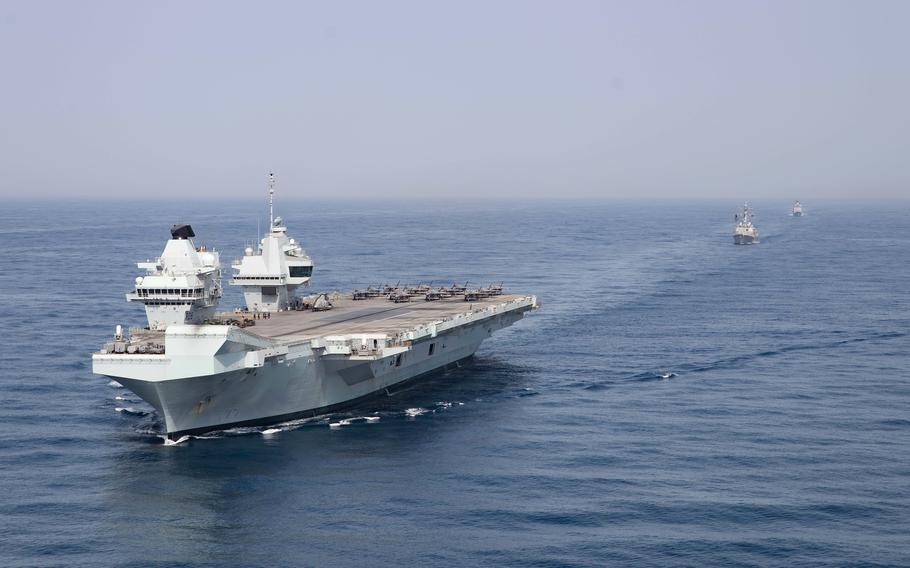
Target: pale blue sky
[(456, 99)]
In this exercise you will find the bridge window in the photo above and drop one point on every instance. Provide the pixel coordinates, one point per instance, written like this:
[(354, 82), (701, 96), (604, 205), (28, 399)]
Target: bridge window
[(301, 271)]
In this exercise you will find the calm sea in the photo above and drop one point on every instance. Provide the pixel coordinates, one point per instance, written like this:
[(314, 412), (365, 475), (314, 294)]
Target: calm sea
[(677, 400)]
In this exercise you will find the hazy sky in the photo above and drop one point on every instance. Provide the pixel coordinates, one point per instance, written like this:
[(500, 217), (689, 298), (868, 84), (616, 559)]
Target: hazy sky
[(456, 99)]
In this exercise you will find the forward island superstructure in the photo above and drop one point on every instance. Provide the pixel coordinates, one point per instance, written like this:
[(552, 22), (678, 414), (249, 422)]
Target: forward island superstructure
[(300, 357), (183, 285)]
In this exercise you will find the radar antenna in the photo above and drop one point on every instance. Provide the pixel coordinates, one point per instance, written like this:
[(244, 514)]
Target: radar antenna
[(271, 199)]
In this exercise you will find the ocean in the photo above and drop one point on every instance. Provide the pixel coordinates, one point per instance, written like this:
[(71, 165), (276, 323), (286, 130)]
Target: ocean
[(676, 401)]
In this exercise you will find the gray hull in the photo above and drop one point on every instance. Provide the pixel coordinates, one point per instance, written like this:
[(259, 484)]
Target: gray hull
[(743, 240), (304, 387), (300, 364)]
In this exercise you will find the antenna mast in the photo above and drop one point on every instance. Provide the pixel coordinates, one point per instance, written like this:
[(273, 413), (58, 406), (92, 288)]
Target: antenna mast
[(271, 199)]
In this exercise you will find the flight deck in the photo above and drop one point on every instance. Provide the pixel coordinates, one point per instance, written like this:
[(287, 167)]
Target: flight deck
[(369, 316)]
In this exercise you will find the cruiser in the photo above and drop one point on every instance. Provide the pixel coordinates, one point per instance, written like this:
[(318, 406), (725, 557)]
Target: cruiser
[(745, 232), (283, 357), (797, 209)]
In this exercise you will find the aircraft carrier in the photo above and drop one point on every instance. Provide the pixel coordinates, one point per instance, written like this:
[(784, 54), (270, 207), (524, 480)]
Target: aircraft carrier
[(283, 356)]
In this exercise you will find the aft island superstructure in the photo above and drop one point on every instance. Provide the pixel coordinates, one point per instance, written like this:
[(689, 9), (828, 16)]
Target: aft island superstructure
[(284, 357), (270, 275)]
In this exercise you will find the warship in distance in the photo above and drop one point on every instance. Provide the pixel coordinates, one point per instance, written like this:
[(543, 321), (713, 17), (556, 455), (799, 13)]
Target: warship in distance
[(797, 210), (283, 357), (744, 233)]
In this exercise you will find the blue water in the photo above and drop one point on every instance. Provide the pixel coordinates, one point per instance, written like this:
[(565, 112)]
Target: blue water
[(779, 437)]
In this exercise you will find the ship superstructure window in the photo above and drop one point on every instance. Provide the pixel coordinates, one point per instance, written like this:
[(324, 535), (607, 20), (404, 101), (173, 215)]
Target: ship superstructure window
[(301, 271), (182, 292), (432, 349), (239, 277)]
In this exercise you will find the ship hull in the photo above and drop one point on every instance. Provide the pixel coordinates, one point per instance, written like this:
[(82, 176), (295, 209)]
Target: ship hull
[(319, 411), (299, 388), (797, 214), (743, 239)]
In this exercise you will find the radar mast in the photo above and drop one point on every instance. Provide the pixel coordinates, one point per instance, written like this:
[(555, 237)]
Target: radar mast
[(271, 200)]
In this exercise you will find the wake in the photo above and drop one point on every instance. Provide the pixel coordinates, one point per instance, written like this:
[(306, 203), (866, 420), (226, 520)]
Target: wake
[(739, 361)]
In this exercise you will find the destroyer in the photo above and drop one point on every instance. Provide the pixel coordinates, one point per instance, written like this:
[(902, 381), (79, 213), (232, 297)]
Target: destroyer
[(284, 357), (745, 232)]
